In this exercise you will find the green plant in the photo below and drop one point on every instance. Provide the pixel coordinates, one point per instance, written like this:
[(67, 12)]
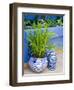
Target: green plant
[(60, 22), (50, 22), (38, 39)]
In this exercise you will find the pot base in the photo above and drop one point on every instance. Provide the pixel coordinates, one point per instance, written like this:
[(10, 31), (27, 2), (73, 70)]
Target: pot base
[(38, 64)]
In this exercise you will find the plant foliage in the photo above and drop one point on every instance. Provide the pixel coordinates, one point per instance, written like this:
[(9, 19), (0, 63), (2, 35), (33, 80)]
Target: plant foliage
[(38, 39)]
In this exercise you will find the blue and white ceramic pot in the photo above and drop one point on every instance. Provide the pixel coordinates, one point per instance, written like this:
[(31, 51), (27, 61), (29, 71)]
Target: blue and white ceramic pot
[(38, 64), (52, 60)]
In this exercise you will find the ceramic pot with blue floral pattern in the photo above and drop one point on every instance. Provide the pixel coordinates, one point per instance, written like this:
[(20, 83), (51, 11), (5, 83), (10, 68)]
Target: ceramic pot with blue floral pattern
[(52, 60), (38, 64)]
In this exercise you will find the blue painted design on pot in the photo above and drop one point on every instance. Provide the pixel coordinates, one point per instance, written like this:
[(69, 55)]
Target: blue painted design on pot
[(38, 64), (52, 60)]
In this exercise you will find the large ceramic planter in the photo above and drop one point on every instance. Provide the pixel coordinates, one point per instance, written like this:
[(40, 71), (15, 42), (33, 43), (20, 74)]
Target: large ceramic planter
[(52, 60), (38, 64)]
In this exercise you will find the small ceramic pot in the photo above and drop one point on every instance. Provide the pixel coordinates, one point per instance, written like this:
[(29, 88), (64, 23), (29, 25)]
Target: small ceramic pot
[(52, 60), (38, 64)]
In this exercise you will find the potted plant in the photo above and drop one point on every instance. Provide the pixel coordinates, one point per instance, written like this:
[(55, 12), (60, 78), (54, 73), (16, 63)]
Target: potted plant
[(38, 40)]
